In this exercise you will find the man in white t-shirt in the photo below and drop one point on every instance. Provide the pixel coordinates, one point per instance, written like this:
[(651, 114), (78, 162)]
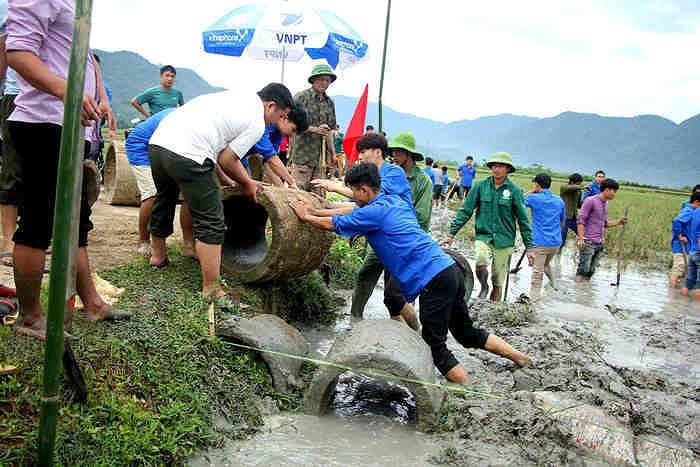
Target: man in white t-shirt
[(219, 127)]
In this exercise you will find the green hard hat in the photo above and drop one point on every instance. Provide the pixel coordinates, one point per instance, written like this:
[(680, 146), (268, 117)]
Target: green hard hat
[(502, 158), (407, 142), (320, 70)]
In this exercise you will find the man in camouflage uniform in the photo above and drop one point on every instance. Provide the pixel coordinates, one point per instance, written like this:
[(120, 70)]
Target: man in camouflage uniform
[(305, 152)]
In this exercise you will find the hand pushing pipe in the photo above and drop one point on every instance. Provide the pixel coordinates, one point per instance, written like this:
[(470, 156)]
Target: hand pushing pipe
[(64, 254)]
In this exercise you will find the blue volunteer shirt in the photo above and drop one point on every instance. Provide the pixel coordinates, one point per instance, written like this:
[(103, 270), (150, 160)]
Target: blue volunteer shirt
[(267, 146), (548, 212), (594, 190), (681, 226), (468, 174), (394, 182), (137, 141), (403, 247), (430, 173), (694, 237)]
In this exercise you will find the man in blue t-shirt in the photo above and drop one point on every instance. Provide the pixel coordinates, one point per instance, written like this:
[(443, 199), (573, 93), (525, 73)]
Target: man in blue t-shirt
[(372, 147), (685, 239), (417, 262), (593, 188), (137, 152), (548, 217), (428, 169), (466, 173)]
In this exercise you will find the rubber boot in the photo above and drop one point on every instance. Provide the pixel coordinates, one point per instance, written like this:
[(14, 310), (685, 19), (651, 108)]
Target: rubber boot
[(482, 273), (408, 313), (495, 344), (496, 294), (360, 295)]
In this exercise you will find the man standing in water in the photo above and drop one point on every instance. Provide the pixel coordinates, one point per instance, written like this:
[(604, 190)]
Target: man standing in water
[(592, 222), (499, 205), (417, 262), (372, 148)]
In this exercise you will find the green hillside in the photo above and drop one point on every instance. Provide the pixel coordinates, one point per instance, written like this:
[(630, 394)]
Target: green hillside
[(128, 74)]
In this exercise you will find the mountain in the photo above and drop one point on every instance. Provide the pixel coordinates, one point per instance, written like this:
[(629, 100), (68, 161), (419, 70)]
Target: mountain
[(644, 149), (128, 74)]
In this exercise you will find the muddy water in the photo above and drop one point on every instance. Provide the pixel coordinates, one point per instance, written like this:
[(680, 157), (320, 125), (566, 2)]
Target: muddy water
[(629, 351)]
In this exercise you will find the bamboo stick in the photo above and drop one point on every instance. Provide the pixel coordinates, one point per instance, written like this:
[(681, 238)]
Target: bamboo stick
[(64, 236)]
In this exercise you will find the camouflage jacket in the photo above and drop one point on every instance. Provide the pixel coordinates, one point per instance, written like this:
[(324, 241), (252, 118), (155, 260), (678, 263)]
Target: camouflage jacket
[(305, 148)]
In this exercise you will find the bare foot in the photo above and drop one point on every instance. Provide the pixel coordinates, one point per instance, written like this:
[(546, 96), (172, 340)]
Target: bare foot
[(144, 249), (105, 312), (188, 251), (33, 326)]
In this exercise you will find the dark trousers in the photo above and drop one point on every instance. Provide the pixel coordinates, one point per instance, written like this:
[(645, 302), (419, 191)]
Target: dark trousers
[(571, 224), (589, 258), (442, 308)]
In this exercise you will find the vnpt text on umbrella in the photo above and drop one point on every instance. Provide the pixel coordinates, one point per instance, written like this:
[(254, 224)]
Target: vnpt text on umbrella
[(286, 38)]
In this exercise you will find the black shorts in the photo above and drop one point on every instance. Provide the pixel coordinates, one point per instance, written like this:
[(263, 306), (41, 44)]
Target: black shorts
[(437, 191), (38, 147)]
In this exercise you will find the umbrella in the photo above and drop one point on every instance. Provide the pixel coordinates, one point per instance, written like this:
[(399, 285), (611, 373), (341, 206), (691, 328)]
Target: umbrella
[(285, 31)]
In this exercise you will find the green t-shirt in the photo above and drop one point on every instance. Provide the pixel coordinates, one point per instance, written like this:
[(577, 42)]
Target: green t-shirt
[(158, 99)]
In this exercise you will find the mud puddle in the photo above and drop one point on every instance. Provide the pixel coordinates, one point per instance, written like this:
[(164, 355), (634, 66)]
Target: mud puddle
[(303, 440)]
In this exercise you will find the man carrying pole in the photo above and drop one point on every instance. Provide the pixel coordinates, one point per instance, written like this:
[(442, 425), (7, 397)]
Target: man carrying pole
[(498, 203), (309, 150)]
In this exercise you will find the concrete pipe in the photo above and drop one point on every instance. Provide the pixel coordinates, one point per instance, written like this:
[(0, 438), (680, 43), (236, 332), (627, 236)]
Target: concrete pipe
[(91, 174), (270, 332), (466, 270), (266, 240), (119, 180), (381, 345)]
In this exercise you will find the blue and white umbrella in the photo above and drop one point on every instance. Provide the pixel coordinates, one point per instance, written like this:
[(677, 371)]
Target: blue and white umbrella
[(285, 31)]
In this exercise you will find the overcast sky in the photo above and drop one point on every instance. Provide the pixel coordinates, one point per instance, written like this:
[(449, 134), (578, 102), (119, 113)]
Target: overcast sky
[(451, 60)]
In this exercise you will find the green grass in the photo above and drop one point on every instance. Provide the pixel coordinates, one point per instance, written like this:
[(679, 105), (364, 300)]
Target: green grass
[(154, 381)]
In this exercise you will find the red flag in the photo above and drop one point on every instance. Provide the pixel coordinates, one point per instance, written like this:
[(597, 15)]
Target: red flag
[(356, 129)]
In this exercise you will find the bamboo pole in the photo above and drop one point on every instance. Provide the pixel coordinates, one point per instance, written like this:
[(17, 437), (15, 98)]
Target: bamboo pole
[(381, 77), (66, 214)]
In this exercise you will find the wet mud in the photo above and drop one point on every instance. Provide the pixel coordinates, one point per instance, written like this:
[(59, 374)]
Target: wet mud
[(575, 405)]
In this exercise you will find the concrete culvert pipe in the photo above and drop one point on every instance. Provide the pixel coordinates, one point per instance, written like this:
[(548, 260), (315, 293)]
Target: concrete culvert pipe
[(266, 240), (119, 180), (466, 270), (385, 346)]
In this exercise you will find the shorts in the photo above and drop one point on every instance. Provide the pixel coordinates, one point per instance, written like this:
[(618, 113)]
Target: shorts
[(38, 149), (11, 173), (678, 264), (200, 188), (437, 191), (487, 254), (144, 180)]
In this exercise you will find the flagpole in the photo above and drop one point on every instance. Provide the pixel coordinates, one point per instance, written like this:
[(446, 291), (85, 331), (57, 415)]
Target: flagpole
[(381, 78)]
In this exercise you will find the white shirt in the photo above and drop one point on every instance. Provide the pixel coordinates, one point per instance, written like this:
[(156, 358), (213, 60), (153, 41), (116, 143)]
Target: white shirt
[(204, 126)]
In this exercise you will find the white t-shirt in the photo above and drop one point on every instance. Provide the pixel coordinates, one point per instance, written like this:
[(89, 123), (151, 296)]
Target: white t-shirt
[(204, 126), (438, 175)]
